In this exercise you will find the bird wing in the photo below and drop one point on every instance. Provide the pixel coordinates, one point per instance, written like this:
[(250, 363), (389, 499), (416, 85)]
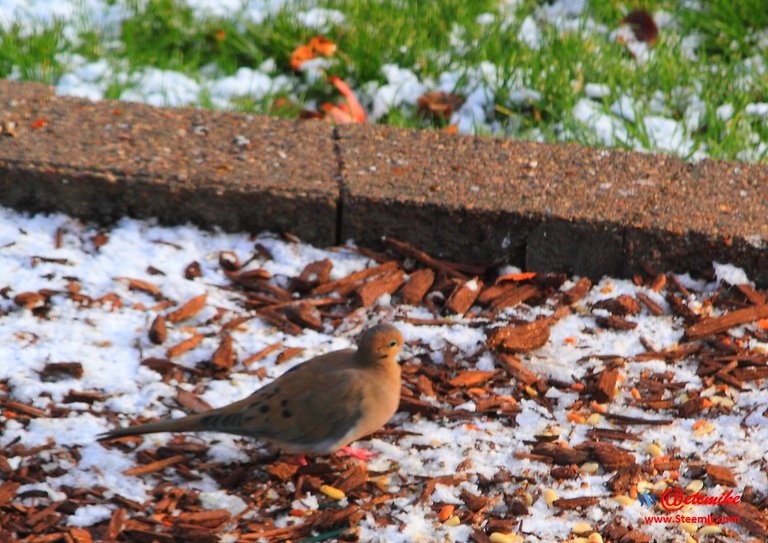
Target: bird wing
[(309, 413), (310, 408)]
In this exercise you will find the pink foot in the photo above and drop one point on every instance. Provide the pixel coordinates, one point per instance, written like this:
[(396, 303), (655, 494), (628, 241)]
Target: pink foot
[(352, 452), (298, 460)]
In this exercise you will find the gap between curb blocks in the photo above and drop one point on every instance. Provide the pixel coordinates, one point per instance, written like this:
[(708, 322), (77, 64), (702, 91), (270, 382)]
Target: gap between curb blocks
[(544, 207)]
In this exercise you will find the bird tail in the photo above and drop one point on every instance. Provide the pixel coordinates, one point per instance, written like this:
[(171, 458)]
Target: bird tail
[(184, 424)]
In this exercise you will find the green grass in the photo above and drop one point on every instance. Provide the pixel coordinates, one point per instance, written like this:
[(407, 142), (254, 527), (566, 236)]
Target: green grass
[(431, 38)]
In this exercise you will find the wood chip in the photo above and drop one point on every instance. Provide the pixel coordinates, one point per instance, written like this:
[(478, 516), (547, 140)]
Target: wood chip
[(692, 407), (624, 419), (611, 434), (116, 524), (419, 283), (186, 345), (191, 401), (73, 369), (85, 396), (564, 456), (188, 310), (211, 518), (158, 331), (24, 408), (721, 475), (561, 473), (158, 465), (515, 295), (716, 325), (620, 306), (608, 455), (515, 368), (681, 308), (192, 271), (8, 491), (651, 306), (577, 291), (306, 314), (313, 274), (754, 520), (570, 504), (29, 300), (282, 470), (463, 296), (453, 269), (266, 351), (376, 287), (224, 357), (141, 286), (354, 280), (471, 378), (755, 297), (288, 353), (229, 260), (604, 389), (521, 337), (615, 323)]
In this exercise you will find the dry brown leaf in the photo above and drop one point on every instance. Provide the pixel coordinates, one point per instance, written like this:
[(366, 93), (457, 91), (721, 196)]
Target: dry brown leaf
[(643, 26), (438, 104)]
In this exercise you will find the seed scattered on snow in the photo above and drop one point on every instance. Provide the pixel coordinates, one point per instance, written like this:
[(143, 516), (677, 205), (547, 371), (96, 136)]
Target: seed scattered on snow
[(332, 492), (452, 521)]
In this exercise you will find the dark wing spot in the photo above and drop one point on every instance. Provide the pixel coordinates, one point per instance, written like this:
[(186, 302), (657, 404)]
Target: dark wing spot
[(208, 420), (286, 413)]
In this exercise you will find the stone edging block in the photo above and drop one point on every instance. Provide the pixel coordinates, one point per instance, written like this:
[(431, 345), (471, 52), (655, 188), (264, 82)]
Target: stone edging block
[(474, 199)]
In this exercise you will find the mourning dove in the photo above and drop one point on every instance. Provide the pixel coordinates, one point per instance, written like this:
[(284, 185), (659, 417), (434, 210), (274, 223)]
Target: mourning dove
[(319, 406)]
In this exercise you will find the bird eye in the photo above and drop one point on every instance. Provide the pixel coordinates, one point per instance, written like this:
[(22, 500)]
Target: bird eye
[(393, 343)]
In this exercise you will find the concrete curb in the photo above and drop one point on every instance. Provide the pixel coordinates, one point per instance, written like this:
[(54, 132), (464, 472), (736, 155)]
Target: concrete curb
[(474, 199)]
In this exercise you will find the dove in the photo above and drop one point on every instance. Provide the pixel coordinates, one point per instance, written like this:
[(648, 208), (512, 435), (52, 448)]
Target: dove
[(319, 407)]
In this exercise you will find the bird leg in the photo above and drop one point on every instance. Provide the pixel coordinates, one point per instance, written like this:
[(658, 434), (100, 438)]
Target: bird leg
[(353, 452), (298, 460)]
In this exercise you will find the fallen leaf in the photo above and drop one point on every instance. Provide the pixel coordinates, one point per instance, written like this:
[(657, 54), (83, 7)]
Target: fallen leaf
[(438, 104), (643, 26), (317, 46), (351, 112)]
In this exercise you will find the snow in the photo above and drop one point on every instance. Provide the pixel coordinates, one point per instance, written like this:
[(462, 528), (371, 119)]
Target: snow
[(321, 19), (110, 341), (399, 87)]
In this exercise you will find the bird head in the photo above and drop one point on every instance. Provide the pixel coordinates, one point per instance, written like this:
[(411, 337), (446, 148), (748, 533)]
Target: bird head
[(380, 343)]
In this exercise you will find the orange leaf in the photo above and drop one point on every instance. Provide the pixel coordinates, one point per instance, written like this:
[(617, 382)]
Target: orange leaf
[(338, 115), (323, 46), (354, 108), (316, 46), (301, 55)]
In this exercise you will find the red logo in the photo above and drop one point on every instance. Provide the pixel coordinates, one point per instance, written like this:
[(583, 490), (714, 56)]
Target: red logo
[(673, 499)]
